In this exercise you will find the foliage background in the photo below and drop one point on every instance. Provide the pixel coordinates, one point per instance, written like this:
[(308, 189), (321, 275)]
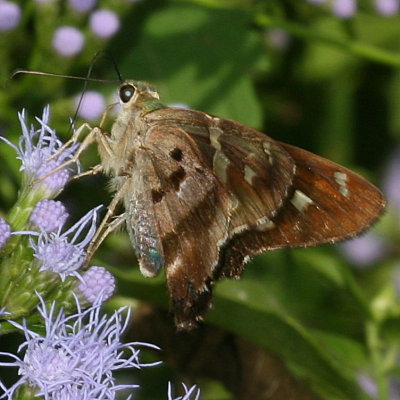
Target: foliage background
[(314, 324)]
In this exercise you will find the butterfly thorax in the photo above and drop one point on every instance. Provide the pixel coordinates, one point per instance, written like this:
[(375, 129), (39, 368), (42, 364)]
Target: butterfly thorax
[(129, 129)]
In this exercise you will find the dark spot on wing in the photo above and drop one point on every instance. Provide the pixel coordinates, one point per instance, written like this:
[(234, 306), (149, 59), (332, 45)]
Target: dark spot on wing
[(176, 154), (177, 177), (157, 195)]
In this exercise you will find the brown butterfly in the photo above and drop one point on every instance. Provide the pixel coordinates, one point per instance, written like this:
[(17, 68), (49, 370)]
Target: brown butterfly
[(203, 194)]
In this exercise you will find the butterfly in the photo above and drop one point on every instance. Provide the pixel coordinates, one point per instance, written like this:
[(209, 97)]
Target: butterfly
[(203, 194)]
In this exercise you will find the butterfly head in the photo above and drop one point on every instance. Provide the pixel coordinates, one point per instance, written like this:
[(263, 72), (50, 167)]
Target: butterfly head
[(137, 94)]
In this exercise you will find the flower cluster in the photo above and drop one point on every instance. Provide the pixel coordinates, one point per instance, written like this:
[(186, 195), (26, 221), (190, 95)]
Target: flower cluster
[(347, 8), (44, 253), (77, 355), (84, 23), (80, 349), (40, 157), (67, 40)]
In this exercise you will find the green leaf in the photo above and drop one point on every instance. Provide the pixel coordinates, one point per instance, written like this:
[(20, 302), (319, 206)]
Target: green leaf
[(212, 69), (318, 357)]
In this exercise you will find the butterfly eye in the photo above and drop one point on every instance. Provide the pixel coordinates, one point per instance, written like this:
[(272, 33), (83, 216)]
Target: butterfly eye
[(126, 92)]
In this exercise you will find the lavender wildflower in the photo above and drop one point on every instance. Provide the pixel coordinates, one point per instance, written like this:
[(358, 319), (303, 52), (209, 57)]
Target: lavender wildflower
[(367, 384), (344, 8), (68, 41), (92, 105), (364, 250), (316, 1), (35, 149), (387, 7), (58, 253), (10, 15), (278, 39), (3, 311), (82, 6), (5, 232), (104, 23), (49, 215), (77, 355), (391, 180), (188, 393), (97, 283)]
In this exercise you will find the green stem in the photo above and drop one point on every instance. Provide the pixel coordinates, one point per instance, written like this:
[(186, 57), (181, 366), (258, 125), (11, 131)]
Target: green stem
[(376, 352), (354, 47)]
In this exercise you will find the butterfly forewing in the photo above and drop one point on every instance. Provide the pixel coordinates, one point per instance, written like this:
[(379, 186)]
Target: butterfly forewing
[(255, 170), (192, 209)]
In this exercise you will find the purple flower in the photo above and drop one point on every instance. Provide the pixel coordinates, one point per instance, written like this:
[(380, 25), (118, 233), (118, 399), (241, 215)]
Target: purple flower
[(10, 14), (49, 215), (3, 312), (97, 283), (367, 384), (5, 232), (104, 23), (394, 388), (387, 7), (92, 105), (391, 179), (61, 254), (364, 250), (344, 8), (35, 149), (68, 41), (277, 38), (188, 393), (82, 6), (76, 356)]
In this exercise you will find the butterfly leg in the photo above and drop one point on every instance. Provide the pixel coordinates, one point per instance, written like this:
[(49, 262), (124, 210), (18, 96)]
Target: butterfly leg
[(106, 113), (106, 227), (74, 139), (101, 235), (97, 169), (94, 136)]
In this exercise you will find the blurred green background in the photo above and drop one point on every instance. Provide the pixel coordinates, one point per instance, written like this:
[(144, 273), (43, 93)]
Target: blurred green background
[(318, 323)]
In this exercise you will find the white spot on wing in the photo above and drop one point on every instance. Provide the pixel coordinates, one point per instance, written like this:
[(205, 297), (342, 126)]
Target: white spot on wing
[(301, 201), (341, 180), (267, 151), (249, 174), (215, 133), (220, 165), (264, 224), (175, 266), (261, 225)]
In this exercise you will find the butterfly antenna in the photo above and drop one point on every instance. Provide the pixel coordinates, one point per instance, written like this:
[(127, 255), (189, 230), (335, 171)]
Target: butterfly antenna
[(94, 60), (110, 57), (33, 72)]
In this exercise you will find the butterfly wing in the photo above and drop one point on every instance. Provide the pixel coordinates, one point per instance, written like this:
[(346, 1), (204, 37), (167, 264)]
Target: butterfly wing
[(254, 169), (278, 195), (327, 203), (190, 211)]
